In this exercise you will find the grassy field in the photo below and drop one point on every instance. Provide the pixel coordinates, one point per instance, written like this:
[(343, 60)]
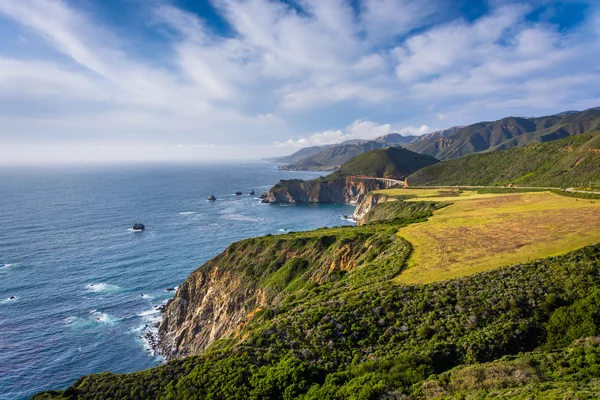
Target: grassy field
[(479, 232)]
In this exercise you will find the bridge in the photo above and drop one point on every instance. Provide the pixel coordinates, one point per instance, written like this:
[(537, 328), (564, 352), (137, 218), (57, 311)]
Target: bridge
[(388, 182)]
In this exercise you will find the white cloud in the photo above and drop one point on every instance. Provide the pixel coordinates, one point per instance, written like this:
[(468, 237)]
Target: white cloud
[(283, 72)]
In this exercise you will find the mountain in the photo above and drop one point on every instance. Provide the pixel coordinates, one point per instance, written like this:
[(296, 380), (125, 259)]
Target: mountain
[(337, 155), (438, 134), (395, 139), (299, 155), (347, 184), (332, 156), (392, 162), (561, 163), (507, 133)]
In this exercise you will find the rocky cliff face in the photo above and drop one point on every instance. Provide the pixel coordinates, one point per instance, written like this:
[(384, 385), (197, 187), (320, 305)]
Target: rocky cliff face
[(209, 305), (348, 190), (218, 299), (369, 201)]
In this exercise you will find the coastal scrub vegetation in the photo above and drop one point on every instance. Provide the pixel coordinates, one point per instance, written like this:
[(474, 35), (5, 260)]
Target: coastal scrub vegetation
[(353, 333)]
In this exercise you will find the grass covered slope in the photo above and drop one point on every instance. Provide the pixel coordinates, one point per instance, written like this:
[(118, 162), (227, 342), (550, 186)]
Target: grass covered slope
[(392, 162), (562, 163), (479, 232)]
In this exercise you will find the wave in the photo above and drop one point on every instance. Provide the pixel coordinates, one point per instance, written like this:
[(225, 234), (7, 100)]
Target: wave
[(101, 287), (239, 217), (70, 320), (146, 296), (147, 313), (7, 265), (11, 299), (187, 213), (102, 318)]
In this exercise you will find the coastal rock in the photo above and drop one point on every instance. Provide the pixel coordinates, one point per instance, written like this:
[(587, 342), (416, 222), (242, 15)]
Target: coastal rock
[(212, 198), (252, 193), (171, 289), (138, 227), (368, 202), (349, 190), (238, 193), (209, 305)]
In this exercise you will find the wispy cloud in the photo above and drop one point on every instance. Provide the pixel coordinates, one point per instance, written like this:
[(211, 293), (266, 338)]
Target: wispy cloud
[(282, 71)]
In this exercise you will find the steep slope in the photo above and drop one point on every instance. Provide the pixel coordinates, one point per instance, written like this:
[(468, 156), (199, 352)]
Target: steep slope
[(507, 133), (347, 185), (566, 162)]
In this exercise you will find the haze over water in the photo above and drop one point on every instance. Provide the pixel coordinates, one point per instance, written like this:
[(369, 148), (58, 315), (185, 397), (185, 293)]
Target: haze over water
[(86, 286)]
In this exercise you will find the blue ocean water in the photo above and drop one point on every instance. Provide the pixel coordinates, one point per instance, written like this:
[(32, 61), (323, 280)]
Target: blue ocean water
[(85, 286)]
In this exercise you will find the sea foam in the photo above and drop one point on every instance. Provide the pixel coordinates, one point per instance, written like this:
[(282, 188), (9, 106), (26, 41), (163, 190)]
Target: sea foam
[(101, 287)]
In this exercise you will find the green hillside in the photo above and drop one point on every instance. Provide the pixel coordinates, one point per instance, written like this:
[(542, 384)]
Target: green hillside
[(507, 133), (562, 163), (359, 336), (346, 331), (392, 162)]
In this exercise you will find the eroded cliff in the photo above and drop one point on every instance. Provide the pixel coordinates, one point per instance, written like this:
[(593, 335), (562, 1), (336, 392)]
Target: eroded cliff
[(223, 295), (349, 190)]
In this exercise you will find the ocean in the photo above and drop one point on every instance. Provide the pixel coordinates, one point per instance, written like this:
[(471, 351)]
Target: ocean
[(79, 288)]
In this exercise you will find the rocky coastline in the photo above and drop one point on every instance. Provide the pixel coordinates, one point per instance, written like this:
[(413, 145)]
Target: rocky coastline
[(341, 190)]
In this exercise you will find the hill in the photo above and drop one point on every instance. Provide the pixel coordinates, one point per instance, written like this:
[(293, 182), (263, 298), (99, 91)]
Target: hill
[(507, 133), (392, 162), (567, 162)]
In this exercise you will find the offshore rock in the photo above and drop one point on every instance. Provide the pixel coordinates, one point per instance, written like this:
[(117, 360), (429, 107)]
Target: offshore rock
[(212, 198), (138, 227)]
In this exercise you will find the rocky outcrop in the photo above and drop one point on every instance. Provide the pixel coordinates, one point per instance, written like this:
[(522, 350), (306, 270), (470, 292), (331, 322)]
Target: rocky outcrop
[(349, 190), (138, 227), (368, 202), (212, 198), (209, 305)]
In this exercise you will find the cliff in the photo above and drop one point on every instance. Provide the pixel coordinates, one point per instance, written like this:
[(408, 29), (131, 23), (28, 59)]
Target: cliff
[(369, 201), (221, 297), (349, 190)]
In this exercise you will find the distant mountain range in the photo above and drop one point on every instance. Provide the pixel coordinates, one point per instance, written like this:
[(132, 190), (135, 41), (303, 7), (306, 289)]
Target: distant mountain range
[(453, 142), (507, 133), (329, 157)]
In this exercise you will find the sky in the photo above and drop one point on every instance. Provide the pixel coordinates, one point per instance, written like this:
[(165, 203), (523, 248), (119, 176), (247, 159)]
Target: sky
[(183, 80)]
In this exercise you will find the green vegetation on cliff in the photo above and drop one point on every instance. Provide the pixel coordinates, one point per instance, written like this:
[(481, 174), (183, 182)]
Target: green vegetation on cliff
[(338, 327), (562, 163)]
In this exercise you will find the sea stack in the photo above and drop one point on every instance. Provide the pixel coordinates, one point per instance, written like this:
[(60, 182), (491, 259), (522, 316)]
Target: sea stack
[(252, 192), (211, 198), (138, 227)]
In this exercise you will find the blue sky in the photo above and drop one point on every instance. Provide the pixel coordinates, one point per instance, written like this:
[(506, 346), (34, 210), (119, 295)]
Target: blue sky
[(104, 80)]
